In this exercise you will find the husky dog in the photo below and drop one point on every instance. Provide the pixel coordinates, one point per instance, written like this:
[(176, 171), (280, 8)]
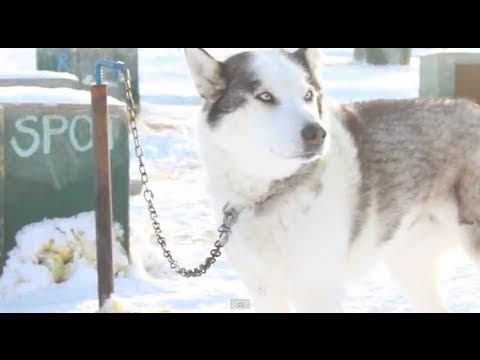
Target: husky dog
[(326, 190)]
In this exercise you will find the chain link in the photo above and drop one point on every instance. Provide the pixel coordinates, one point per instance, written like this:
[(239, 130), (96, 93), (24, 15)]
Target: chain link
[(229, 214)]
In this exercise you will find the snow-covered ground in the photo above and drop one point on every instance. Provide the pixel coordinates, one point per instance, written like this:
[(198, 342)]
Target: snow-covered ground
[(53, 267)]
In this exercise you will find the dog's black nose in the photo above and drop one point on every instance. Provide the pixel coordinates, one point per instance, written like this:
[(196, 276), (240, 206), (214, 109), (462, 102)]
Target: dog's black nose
[(313, 136)]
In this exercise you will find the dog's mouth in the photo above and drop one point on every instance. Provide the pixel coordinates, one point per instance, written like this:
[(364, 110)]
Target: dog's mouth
[(310, 156), (305, 156)]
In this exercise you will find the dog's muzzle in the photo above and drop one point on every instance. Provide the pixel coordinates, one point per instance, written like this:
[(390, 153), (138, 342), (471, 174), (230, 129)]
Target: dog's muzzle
[(313, 136)]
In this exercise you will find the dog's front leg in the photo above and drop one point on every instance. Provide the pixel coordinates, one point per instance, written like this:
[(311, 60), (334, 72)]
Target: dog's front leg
[(267, 290), (267, 296), (319, 298), (270, 299), (266, 284), (317, 282)]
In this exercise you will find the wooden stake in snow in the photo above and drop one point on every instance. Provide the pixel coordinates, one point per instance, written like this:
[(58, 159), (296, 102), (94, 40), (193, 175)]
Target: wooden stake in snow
[(103, 199)]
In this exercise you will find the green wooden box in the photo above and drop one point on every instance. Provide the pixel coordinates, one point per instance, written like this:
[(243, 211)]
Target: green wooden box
[(46, 159), (58, 59), (81, 62)]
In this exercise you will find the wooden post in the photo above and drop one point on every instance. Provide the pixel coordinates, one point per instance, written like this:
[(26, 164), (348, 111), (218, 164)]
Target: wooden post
[(103, 199)]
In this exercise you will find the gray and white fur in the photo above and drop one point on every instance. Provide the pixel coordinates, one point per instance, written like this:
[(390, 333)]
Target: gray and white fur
[(328, 190)]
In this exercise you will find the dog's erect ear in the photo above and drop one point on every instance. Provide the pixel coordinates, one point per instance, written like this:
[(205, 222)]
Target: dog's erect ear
[(206, 73), (310, 59)]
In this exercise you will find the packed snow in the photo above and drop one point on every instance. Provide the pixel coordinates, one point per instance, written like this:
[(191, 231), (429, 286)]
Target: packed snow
[(48, 96), (36, 74), (52, 269)]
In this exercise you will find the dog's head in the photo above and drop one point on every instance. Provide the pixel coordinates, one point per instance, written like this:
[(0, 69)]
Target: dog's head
[(262, 108)]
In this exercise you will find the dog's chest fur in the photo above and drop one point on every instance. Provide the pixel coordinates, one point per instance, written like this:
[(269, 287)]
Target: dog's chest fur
[(315, 215)]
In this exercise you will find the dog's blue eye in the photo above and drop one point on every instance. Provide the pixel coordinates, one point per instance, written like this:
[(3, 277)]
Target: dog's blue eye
[(309, 95), (266, 97)]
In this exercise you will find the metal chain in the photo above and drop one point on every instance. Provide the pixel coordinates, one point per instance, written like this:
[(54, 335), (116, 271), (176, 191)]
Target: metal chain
[(229, 214)]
